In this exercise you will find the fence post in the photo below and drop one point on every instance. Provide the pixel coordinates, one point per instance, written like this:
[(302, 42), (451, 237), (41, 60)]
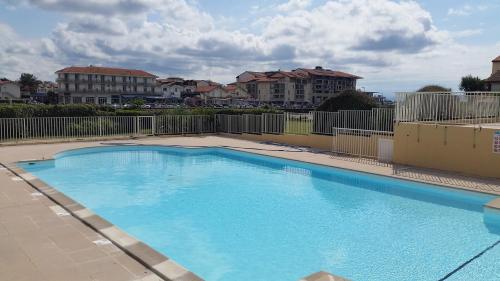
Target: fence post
[(100, 125), (136, 125), (153, 125)]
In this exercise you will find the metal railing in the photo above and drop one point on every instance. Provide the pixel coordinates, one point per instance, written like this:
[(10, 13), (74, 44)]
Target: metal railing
[(363, 144), (273, 123), (231, 124), (66, 128), (298, 123), (183, 124), (377, 119), (448, 108), (252, 124)]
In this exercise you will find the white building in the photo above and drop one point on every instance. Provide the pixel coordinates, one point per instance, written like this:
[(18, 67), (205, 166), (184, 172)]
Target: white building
[(9, 90), (104, 85)]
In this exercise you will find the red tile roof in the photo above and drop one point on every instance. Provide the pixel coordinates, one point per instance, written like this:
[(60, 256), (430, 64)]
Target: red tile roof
[(206, 89), (230, 88), (495, 77), (106, 71), (497, 59), (327, 72), (7, 82)]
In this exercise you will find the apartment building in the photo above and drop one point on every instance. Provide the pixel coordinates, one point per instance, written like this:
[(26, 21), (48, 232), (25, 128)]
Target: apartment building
[(175, 88), (47, 86), (104, 85), (299, 86)]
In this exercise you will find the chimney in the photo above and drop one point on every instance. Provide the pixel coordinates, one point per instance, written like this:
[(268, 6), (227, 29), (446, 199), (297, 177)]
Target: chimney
[(318, 68)]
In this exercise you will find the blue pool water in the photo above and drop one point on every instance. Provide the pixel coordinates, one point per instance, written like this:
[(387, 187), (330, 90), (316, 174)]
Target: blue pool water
[(234, 216)]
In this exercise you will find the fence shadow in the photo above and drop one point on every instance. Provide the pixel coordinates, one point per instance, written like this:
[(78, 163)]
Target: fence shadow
[(448, 178)]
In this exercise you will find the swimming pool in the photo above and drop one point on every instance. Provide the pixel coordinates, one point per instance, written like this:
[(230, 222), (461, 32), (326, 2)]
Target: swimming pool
[(229, 215)]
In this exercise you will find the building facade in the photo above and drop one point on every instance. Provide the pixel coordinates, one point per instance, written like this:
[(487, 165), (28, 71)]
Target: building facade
[(493, 82), (9, 90), (297, 87), (104, 85)]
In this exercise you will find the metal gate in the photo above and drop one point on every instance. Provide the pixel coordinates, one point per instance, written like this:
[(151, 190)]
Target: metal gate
[(376, 146), (145, 125)]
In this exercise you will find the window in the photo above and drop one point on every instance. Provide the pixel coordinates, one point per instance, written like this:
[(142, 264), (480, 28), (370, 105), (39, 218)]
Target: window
[(124, 79), (124, 88), (89, 100), (115, 99), (135, 89), (103, 100), (89, 77), (66, 87), (67, 100), (77, 99), (102, 88), (89, 86)]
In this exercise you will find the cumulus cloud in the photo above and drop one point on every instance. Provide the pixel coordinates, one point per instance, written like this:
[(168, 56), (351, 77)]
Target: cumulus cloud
[(174, 37), (293, 5)]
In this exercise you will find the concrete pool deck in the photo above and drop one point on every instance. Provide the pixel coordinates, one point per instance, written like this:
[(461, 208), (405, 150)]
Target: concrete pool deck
[(40, 240)]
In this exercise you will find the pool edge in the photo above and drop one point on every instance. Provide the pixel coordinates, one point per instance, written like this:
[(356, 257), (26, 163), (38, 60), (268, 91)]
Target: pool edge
[(163, 266)]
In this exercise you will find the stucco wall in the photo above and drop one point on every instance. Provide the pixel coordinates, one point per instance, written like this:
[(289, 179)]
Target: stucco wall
[(451, 148)]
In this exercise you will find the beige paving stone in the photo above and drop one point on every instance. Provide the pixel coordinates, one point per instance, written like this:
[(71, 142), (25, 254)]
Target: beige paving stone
[(87, 255)]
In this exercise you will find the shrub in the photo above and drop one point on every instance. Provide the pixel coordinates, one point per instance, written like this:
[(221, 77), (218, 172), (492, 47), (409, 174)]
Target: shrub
[(348, 100)]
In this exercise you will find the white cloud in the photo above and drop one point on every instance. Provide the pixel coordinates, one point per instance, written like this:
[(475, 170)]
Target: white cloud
[(293, 5), (173, 37)]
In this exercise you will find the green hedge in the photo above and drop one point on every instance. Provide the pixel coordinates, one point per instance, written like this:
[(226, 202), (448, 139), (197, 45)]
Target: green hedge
[(82, 110)]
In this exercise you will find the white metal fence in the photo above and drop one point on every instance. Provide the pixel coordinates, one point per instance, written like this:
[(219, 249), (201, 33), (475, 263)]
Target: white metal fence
[(448, 108), (183, 124), (377, 119), (23, 129), (298, 123), (363, 144)]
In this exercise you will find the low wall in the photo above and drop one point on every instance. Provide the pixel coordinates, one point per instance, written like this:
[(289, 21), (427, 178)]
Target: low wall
[(451, 148), (315, 141)]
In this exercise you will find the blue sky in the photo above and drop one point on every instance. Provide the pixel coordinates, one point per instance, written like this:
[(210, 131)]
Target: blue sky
[(394, 45)]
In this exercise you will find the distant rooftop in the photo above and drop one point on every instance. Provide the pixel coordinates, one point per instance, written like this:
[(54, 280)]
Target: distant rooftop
[(106, 71)]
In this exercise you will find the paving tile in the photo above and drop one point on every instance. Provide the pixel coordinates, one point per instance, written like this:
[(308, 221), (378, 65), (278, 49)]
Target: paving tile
[(87, 255)]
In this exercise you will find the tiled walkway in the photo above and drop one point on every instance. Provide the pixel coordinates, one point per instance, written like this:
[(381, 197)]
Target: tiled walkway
[(40, 241)]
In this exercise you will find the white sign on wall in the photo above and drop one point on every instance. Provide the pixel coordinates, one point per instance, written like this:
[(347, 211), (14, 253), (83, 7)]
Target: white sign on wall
[(496, 142)]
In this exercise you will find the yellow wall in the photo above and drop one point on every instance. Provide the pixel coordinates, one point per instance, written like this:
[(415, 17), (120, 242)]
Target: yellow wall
[(315, 141), (348, 144), (452, 148)]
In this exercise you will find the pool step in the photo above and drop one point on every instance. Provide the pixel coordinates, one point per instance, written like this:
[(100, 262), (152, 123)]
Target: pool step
[(323, 276)]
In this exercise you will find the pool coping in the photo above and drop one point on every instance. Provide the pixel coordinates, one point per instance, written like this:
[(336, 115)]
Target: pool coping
[(153, 260)]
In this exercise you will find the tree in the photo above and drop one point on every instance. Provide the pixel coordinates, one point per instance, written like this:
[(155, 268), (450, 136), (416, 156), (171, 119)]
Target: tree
[(433, 88), (29, 81), (137, 102), (348, 100), (472, 84)]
